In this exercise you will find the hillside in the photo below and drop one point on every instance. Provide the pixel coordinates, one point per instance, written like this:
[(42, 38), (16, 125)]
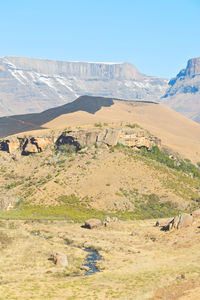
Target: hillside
[(99, 175), (43, 166), (29, 85), (175, 131), (106, 159)]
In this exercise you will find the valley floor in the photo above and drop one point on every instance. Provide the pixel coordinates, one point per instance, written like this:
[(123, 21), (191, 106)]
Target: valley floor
[(139, 261)]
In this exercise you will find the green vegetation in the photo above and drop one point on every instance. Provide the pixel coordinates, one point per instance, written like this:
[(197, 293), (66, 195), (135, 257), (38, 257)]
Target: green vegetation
[(66, 149), (134, 125), (71, 199), (13, 185), (98, 124), (72, 208), (184, 165), (178, 164), (148, 206), (77, 213)]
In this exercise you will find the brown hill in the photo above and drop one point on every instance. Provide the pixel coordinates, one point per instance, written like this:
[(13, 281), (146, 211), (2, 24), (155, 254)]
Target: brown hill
[(175, 131)]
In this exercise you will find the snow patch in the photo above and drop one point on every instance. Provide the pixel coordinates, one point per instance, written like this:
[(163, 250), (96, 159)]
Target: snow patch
[(15, 74), (98, 63), (65, 83), (48, 82)]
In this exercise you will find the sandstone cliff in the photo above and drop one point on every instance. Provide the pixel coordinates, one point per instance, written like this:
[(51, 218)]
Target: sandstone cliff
[(80, 138)]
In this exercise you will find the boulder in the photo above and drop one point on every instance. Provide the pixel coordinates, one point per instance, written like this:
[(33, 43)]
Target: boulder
[(93, 223), (30, 148), (114, 219), (111, 137), (41, 142), (181, 221), (138, 139), (11, 145), (59, 259), (85, 268), (196, 213), (108, 220), (185, 220)]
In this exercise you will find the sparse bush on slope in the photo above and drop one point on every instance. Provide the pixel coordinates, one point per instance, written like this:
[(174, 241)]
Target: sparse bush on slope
[(178, 164)]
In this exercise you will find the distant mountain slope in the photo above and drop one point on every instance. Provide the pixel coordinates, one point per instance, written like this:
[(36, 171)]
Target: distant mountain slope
[(183, 94), (176, 131), (29, 85), (21, 123)]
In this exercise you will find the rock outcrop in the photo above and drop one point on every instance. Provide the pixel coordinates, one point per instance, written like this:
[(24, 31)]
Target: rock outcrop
[(102, 137), (59, 259), (26, 145), (93, 223), (180, 221), (109, 137)]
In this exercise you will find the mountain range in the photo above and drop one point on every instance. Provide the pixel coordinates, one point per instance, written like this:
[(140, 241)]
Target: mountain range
[(30, 85), (33, 85)]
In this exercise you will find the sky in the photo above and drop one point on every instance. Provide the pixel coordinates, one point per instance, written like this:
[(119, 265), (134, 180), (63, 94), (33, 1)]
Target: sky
[(157, 36)]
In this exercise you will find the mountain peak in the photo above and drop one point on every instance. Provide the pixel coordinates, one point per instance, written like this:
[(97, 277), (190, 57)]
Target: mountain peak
[(193, 67)]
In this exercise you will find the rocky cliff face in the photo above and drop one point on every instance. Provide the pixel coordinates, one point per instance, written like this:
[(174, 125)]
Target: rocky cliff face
[(33, 85), (187, 80), (104, 137), (183, 94)]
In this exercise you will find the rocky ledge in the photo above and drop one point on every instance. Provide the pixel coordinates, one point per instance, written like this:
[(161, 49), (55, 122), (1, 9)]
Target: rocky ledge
[(80, 138)]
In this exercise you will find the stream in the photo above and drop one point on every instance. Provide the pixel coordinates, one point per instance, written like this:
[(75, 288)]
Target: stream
[(91, 260)]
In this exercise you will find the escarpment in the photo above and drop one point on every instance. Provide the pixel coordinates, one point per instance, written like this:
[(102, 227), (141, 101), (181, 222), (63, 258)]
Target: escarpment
[(80, 138)]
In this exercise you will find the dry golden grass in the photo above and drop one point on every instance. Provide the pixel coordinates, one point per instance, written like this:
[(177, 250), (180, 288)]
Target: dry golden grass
[(147, 264), (97, 176)]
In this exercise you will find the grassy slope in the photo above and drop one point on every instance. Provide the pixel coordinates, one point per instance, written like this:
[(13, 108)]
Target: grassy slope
[(127, 183)]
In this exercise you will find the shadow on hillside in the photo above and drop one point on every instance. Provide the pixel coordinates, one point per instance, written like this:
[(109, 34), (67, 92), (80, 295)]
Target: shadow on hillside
[(21, 123)]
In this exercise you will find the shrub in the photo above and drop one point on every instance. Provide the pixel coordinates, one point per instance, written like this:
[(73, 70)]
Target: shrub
[(161, 156), (69, 199), (134, 125), (13, 185), (98, 124), (66, 149), (148, 206)]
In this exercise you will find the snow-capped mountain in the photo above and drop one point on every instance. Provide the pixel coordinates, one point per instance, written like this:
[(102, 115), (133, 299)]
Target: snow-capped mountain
[(30, 85)]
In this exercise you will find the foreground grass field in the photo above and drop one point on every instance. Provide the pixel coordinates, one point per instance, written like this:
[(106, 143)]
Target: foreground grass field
[(139, 261)]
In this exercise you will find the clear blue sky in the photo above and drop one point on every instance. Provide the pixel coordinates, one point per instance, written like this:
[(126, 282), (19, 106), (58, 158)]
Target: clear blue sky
[(157, 36)]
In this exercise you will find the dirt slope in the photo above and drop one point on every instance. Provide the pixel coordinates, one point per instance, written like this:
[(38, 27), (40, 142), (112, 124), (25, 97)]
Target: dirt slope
[(175, 131)]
